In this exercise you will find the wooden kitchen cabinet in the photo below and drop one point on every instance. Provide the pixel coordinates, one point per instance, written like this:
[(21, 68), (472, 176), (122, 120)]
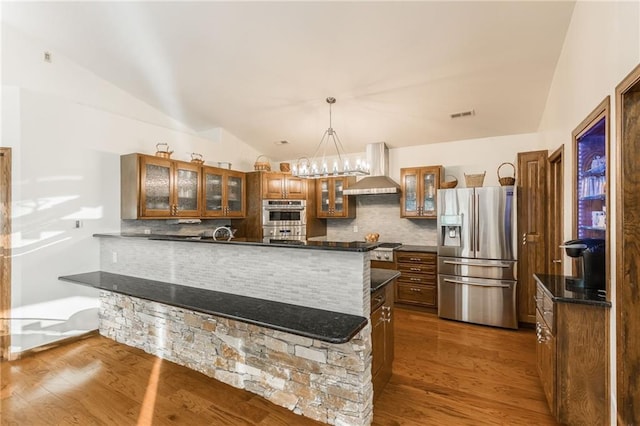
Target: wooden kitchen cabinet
[(572, 359), (382, 337), (419, 186), (417, 284), (331, 201), (154, 187), (223, 193), (283, 186)]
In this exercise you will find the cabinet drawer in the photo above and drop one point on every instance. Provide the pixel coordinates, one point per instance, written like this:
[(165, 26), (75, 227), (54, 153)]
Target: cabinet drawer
[(416, 257), (546, 307), (416, 294), (417, 268), (419, 279)]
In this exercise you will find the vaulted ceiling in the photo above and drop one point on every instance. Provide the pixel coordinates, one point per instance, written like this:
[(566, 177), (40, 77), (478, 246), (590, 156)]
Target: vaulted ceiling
[(262, 70)]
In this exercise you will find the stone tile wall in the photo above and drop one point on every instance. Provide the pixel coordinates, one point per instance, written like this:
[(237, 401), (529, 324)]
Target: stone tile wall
[(332, 280), (327, 382), (381, 214)]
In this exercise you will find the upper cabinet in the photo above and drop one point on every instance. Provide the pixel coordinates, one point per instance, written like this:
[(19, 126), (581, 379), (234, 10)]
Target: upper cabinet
[(154, 187), (283, 186), (159, 188), (419, 191), (223, 193), (331, 201), (591, 183)]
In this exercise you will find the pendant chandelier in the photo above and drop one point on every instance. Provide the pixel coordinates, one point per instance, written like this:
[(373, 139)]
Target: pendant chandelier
[(320, 166)]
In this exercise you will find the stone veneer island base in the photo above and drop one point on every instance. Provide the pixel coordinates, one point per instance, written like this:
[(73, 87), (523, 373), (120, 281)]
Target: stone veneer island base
[(327, 382), (318, 377)]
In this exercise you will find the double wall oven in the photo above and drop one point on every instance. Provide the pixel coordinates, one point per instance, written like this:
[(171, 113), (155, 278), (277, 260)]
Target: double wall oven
[(284, 219)]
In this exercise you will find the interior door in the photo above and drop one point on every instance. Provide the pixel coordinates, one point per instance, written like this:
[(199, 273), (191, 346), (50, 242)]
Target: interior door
[(532, 202), (628, 249), (555, 232)]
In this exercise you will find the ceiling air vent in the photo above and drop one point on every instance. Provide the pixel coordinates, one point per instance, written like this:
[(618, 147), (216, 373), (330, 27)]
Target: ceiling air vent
[(463, 114)]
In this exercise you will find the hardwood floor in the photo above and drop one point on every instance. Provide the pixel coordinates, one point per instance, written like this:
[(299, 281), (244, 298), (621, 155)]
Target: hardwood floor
[(445, 373), (452, 373)]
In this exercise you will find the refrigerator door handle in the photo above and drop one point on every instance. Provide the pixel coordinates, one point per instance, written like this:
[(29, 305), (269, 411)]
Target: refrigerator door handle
[(476, 223), (496, 265), (472, 223), (448, 280)]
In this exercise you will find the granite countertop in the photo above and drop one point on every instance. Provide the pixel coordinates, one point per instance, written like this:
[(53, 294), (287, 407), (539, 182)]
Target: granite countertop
[(423, 249), (328, 326), (354, 246), (382, 277), (566, 289)]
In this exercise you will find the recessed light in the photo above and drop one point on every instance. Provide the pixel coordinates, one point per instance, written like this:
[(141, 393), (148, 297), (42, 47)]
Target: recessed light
[(281, 142)]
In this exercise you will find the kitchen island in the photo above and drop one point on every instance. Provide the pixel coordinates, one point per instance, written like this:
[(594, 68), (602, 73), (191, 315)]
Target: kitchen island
[(327, 379)]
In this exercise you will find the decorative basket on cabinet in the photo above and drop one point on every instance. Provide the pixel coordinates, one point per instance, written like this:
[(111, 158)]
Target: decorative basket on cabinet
[(507, 181), (474, 180), (262, 165), (450, 183)]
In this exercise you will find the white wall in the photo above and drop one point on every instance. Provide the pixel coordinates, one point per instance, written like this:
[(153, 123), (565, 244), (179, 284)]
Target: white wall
[(67, 129), (602, 46), (381, 213)]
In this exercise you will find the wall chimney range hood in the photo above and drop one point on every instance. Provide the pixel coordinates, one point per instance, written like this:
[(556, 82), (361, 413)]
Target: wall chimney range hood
[(378, 182)]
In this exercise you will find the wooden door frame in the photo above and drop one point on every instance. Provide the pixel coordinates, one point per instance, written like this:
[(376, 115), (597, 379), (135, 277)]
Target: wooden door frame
[(603, 110), (5, 252), (627, 341), (556, 160)]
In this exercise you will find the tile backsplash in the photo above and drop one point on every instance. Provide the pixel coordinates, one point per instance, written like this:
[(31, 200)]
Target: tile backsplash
[(381, 214), (374, 213)]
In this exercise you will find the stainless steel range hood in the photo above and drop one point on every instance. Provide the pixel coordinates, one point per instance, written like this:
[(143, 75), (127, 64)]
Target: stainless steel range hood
[(378, 182)]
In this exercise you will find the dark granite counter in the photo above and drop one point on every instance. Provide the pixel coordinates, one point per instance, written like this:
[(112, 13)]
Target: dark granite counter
[(382, 277), (355, 246), (333, 327), (562, 288), (422, 249)]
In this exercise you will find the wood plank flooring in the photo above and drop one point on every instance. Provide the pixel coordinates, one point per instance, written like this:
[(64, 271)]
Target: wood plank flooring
[(445, 373)]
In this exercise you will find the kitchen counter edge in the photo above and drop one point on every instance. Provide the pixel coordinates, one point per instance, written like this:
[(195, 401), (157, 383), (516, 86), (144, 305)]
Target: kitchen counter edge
[(418, 249), (312, 245), (382, 277), (327, 326), (556, 287)]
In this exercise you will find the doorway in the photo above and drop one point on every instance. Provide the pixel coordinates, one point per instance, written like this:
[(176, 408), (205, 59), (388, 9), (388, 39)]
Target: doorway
[(5, 252), (627, 249), (555, 232)]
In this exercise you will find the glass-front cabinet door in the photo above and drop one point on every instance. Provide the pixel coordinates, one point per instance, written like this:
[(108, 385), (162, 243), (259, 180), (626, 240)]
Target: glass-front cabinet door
[(223, 193), (419, 191), (409, 198), (591, 175), (324, 195), (235, 194), (338, 197), (429, 188), (213, 204), (331, 199), (186, 189), (156, 187)]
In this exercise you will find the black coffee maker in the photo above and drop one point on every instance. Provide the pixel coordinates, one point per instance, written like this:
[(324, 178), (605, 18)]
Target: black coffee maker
[(590, 255)]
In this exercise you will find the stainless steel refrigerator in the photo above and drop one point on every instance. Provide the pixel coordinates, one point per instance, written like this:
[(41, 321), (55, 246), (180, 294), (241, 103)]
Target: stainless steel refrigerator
[(476, 263)]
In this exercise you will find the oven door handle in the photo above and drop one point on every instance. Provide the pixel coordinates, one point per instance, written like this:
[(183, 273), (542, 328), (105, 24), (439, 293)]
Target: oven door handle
[(448, 280)]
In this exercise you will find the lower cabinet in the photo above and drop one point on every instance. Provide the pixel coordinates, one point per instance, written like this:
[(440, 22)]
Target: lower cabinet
[(382, 337), (572, 359), (418, 283)]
